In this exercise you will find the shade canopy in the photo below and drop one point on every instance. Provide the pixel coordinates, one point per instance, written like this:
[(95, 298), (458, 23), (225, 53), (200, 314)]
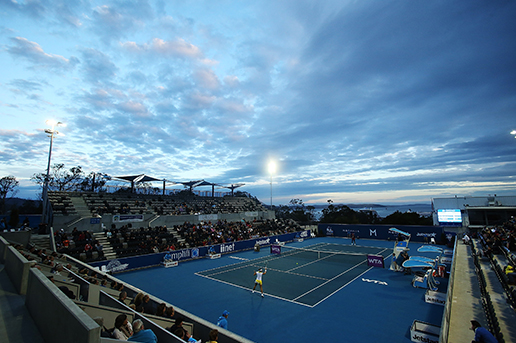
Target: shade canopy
[(133, 179), (138, 178)]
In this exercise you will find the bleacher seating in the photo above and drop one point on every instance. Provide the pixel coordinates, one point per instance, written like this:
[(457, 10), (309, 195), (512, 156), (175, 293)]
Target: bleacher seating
[(86, 294), (121, 203), (61, 203)]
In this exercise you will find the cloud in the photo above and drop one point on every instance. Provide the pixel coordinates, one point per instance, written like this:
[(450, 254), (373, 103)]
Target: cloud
[(25, 85), (177, 48), (18, 145), (34, 53), (207, 79), (120, 18), (135, 108), (97, 67)]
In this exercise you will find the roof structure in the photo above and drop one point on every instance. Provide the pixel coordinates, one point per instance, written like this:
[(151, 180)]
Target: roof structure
[(133, 179), (138, 178), (190, 184), (199, 183), (233, 187)]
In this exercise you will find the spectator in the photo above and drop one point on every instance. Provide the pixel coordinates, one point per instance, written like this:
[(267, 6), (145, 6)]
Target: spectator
[(147, 305), (160, 310), (214, 336), (122, 296), (189, 338), (223, 320), (178, 324), (169, 312), (138, 302), (184, 335), (141, 334), (482, 335), (123, 329), (179, 332), (511, 274), (57, 269)]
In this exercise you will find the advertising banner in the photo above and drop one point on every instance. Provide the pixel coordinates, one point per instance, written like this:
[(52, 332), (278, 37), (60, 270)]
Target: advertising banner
[(375, 261), (121, 218), (418, 233), (135, 262)]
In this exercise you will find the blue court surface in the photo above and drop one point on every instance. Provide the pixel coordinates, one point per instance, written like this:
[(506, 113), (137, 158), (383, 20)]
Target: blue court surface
[(307, 297)]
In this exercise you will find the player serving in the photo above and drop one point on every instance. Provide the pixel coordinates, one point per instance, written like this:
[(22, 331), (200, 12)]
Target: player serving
[(259, 274)]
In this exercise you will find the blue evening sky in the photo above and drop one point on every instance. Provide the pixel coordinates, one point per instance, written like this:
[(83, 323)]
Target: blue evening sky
[(356, 101)]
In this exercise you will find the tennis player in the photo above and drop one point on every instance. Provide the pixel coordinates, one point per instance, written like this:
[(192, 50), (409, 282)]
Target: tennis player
[(259, 274)]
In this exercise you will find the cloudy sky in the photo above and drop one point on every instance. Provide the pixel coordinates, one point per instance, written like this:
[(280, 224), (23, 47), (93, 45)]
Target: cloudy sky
[(356, 101)]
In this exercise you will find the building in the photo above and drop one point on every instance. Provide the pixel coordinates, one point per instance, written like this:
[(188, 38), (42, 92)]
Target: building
[(473, 212)]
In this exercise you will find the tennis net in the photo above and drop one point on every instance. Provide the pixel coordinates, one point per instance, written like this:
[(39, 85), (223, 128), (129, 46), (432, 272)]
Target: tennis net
[(312, 253)]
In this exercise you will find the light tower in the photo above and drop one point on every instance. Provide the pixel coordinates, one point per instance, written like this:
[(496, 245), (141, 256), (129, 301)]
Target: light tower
[(272, 170), (51, 133)]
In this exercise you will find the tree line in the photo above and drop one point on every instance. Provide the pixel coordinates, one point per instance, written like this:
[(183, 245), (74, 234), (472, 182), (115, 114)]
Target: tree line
[(75, 179), (59, 179), (342, 214)]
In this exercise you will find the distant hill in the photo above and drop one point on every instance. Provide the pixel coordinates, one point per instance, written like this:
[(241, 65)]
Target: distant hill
[(25, 206), (366, 205)]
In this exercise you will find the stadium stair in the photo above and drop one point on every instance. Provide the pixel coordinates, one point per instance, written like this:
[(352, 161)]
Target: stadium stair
[(41, 241), (81, 207), (109, 253)]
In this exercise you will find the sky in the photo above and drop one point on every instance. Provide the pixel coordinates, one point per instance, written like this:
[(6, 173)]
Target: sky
[(355, 101)]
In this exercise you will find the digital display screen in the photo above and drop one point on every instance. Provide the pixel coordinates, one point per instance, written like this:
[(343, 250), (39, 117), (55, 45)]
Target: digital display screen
[(449, 216)]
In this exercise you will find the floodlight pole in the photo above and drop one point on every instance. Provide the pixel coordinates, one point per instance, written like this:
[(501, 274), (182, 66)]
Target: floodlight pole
[(272, 169), (51, 132), (271, 191)]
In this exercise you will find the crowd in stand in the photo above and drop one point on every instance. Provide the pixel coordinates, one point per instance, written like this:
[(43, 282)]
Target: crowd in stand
[(498, 237), (209, 233), (499, 245), (121, 329), (78, 242), (129, 242)]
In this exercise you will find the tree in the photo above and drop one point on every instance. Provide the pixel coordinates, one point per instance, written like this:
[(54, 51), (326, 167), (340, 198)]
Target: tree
[(94, 182), (295, 210), (61, 179), (8, 184), (407, 218), (339, 214)]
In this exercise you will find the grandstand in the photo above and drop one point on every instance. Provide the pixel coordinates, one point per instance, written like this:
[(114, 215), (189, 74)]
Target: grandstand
[(36, 309)]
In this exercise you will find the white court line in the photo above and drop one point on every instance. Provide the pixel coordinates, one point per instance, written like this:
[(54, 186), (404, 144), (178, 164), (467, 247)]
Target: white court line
[(298, 274), (329, 295), (344, 272), (251, 263), (324, 283), (250, 289)]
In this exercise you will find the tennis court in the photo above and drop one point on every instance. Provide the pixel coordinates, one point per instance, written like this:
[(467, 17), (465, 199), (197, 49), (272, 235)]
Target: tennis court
[(305, 276), (378, 305)]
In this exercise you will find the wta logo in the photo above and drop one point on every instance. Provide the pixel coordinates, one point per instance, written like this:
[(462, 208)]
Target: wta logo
[(419, 338), (376, 282)]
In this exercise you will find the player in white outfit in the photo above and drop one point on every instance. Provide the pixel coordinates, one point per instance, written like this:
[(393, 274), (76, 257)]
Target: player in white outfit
[(259, 274)]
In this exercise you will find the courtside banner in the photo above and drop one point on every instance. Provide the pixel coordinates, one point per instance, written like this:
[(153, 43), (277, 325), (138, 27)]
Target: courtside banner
[(142, 261), (375, 261), (418, 233), (122, 218)]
